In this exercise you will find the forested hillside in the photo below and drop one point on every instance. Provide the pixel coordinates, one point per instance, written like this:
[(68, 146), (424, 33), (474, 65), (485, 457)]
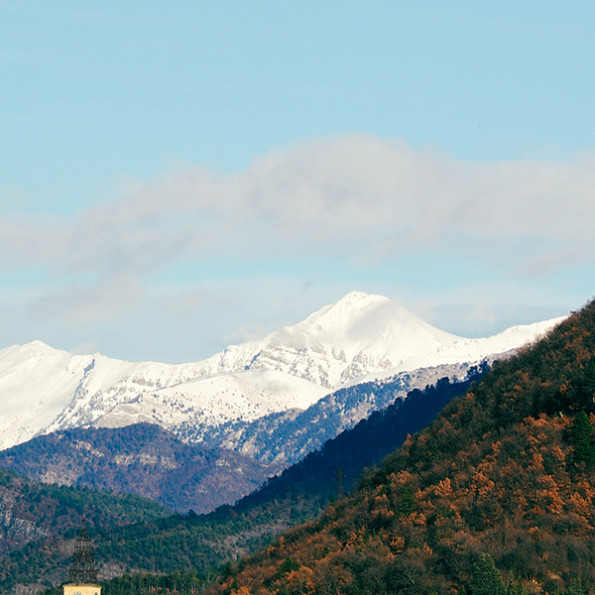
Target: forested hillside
[(496, 496), (201, 543), (339, 463), (35, 518)]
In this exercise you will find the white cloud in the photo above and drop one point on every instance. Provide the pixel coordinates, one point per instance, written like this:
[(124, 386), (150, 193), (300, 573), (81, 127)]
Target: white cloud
[(488, 307), (359, 200), (96, 303), (360, 196)]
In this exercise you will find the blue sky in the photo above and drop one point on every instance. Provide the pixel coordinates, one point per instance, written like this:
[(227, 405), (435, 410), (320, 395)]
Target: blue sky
[(177, 177)]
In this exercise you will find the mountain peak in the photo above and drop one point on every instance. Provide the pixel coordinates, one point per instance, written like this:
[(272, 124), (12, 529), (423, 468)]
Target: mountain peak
[(35, 347), (360, 336), (344, 311), (355, 298), (369, 318)]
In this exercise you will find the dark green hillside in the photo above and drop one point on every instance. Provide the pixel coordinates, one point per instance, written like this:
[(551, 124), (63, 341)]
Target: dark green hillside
[(498, 492), (38, 518), (342, 459)]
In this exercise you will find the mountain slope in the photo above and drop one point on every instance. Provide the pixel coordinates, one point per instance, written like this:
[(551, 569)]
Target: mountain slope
[(141, 459), (299, 493), (359, 338), (287, 437), (338, 464), (500, 488)]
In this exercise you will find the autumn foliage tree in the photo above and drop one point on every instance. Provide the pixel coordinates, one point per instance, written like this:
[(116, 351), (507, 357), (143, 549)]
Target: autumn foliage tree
[(496, 496)]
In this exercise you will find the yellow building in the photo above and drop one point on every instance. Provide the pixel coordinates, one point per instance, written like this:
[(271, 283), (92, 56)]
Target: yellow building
[(82, 590)]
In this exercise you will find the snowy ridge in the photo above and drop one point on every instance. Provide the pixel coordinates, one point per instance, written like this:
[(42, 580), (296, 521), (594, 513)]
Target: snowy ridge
[(280, 438), (464, 350), (361, 337), (359, 334)]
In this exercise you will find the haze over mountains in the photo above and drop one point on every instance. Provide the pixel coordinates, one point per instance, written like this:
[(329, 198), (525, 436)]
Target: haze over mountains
[(359, 338)]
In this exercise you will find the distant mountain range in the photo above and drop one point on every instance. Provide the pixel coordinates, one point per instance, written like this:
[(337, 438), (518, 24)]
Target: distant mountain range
[(141, 459), (148, 461), (532, 397), (360, 338)]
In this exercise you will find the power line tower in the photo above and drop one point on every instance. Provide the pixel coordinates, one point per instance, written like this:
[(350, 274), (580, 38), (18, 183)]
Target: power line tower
[(82, 575), (339, 483)]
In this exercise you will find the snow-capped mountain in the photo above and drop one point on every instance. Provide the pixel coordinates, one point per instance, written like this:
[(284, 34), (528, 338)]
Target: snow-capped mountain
[(360, 337)]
